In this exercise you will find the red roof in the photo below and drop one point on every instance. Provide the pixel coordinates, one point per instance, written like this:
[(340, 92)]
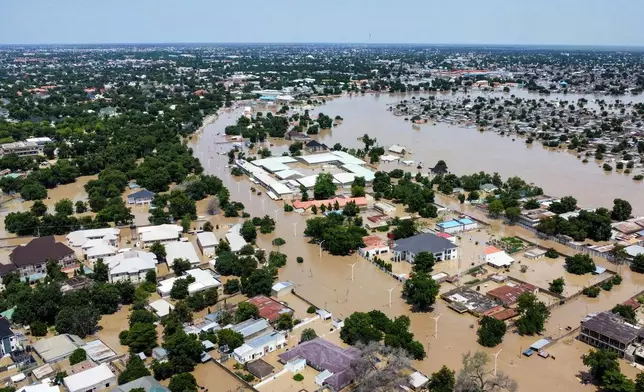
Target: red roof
[(490, 250), (633, 303), (444, 235), (269, 308), (373, 240), (509, 295)]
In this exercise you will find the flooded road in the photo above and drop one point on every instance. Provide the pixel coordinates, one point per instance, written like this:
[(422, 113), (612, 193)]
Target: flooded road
[(326, 280)]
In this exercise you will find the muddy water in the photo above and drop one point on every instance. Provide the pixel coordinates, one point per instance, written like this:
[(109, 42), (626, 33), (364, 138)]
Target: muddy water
[(326, 280)]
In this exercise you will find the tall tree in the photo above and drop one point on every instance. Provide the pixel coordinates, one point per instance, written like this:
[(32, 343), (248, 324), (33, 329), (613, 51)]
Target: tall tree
[(476, 377)]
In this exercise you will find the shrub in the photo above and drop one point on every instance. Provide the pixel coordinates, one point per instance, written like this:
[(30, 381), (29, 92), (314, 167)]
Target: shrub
[(298, 377), (607, 285), (617, 280), (591, 292), (300, 260), (38, 328), (311, 309), (552, 253), (607, 167)]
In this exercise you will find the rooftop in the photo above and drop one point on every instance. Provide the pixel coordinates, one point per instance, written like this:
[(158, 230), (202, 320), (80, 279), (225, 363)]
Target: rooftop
[(57, 347), (98, 351), (148, 383), (426, 242), (207, 238), (84, 380), (269, 308), (181, 250), (39, 250), (159, 233), (259, 368), (250, 327), (509, 294), (204, 279), (611, 326)]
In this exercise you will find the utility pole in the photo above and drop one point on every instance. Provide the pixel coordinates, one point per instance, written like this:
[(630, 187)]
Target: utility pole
[(295, 229), (436, 326), (352, 265), (263, 200), (390, 290), (276, 214), (495, 357), (320, 243)]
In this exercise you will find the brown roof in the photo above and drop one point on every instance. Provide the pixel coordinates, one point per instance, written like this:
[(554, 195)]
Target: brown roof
[(269, 309), (260, 368), (6, 269), (38, 251), (510, 294)]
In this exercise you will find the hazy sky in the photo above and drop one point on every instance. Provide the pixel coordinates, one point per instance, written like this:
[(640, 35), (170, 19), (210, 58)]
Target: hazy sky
[(576, 22)]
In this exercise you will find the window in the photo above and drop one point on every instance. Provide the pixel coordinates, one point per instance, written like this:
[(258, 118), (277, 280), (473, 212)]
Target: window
[(107, 385)]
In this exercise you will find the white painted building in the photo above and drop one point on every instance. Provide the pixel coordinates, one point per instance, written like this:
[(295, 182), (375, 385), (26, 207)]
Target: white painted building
[(161, 307), (207, 242), (79, 238), (162, 233), (91, 380), (259, 346), (235, 239), (204, 279), (98, 249), (131, 265), (181, 250)]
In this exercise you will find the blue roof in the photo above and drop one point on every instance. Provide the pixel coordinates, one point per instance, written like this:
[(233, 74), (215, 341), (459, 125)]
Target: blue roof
[(450, 224), (539, 344), (599, 270), (466, 221), (267, 98), (142, 194)]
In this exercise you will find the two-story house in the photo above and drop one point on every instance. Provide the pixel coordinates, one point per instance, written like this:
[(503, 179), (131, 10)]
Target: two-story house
[(31, 259)]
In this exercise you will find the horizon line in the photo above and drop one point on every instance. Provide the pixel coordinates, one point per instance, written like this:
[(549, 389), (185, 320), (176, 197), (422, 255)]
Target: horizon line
[(330, 43)]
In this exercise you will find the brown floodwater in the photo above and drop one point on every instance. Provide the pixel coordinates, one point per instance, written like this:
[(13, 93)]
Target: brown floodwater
[(326, 280)]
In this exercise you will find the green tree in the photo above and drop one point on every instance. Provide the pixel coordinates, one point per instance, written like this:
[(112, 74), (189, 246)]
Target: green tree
[(279, 241), (260, 281), (101, 271), (424, 262), (626, 311), (81, 321), (621, 210), (557, 285), (159, 251), (142, 337), (134, 370), (405, 229), (533, 314), (248, 231), (442, 381), (186, 220), (358, 328), (231, 286), (473, 196), (421, 291), (80, 207), (78, 356), (151, 277), (245, 311), (208, 227), (179, 266), (491, 331), (180, 289), (142, 316), (495, 208), (637, 264), (580, 264), (639, 382), (184, 382), (64, 207), (39, 208), (324, 187), (38, 328), (615, 381), (351, 209), (229, 338), (284, 322), (513, 214), (308, 334), (600, 362)]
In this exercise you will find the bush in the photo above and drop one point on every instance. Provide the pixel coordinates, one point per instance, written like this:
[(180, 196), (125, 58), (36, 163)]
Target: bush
[(78, 356), (38, 328), (607, 285), (638, 177), (552, 253), (298, 377), (617, 280), (311, 309), (591, 292), (607, 167), (300, 260)]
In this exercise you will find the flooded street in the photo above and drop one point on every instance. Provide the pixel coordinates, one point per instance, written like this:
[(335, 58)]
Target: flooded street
[(326, 280)]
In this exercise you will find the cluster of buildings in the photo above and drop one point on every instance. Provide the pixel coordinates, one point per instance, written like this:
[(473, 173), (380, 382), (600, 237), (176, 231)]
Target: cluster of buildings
[(609, 331), (28, 147), (282, 180)]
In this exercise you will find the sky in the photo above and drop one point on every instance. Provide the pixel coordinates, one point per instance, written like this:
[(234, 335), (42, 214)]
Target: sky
[(529, 22)]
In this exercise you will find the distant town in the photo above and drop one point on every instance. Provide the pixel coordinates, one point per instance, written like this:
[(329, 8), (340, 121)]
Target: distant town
[(320, 218)]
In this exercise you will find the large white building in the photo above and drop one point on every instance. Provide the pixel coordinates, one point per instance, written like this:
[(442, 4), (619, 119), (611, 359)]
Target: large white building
[(235, 239), (164, 234), (131, 266), (80, 237), (181, 250), (98, 249), (259, 346), (204, 279), (91, 380), (207, 242)]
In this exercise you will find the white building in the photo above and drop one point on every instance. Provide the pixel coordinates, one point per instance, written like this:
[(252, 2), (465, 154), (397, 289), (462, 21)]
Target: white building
[(98, 249), (235, 239), (42, 387), (131, 266), (497, 258), (80, 237), (162, 233), (207, 242), (161, 307), (281, 289), (181, 250), (260, 346), (91, 380), (204, 279)]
